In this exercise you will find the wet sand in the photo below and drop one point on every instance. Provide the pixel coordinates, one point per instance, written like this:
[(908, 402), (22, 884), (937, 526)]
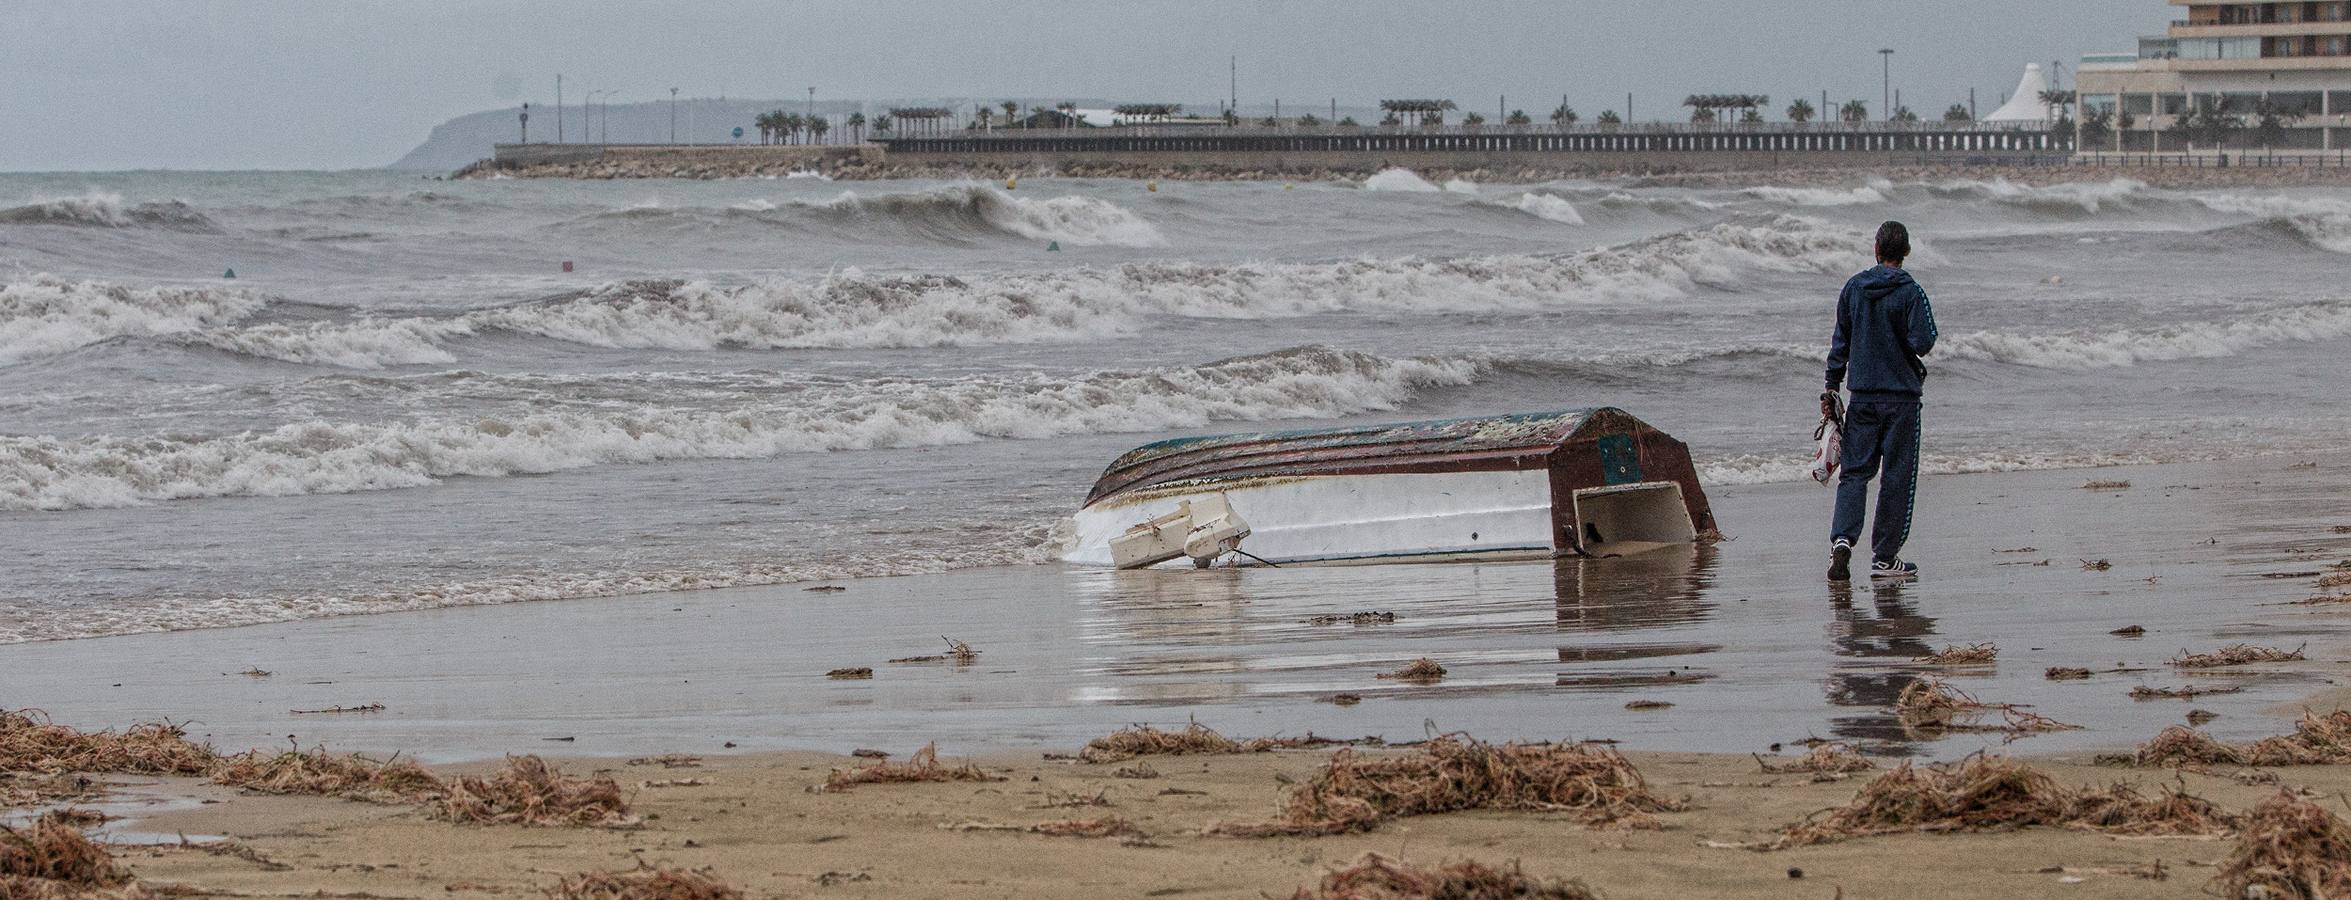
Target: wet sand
[(1743, 638)]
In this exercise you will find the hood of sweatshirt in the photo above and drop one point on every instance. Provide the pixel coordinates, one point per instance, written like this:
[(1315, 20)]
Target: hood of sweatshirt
[(1879, 282)]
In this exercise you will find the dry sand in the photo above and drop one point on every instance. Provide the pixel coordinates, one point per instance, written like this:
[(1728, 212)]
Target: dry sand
[(756, 824)]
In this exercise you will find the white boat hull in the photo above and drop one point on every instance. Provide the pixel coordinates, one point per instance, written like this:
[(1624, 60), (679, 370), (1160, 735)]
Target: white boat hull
[(1352, 518)]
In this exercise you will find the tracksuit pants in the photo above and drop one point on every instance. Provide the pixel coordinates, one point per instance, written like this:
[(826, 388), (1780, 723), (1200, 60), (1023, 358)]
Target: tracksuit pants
[(1879, 436)]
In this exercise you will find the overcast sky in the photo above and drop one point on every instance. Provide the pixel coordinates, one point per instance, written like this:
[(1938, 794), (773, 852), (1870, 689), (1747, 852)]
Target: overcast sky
[(278, 84)]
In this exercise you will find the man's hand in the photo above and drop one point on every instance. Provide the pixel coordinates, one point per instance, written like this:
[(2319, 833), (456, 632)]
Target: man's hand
[(1828, 404)]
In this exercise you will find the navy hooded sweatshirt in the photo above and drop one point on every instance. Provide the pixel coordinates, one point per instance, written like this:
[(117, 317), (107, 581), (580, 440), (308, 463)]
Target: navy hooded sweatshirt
[(1883, 326)]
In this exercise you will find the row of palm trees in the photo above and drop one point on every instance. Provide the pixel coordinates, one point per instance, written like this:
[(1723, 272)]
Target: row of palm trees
[(780, 127)]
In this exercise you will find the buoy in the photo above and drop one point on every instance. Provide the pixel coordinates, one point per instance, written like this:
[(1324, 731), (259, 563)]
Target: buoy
[(1287, 187), (1053, 247), (1012, 184), (1151, 186), (232, 273), (567, 265)]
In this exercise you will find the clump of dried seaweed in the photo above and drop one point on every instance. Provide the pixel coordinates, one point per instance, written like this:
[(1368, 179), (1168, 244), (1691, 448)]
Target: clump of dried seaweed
[(2334, 579), (1983, 793), (1144, 740), (2317, 741), (50, 857), (2065, 673), (29, 742), (2289, 848), (531, 791), (960, 652), (850, 674), (1105, 827), (923, 766), (2179, 745), (2097, 565), (645, 883), (1833, 758), (1972, 654), (2234, 655), (1930, 704), (2106, 486), (1376, 877), (1423, 669), (320, 773), (1354, 792)]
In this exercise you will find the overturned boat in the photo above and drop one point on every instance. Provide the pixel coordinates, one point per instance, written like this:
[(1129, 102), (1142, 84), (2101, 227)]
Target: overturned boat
[(1595, 482)]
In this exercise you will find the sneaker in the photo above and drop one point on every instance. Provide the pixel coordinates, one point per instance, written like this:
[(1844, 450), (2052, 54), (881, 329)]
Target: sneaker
[(1840, 562), (1892, 570)]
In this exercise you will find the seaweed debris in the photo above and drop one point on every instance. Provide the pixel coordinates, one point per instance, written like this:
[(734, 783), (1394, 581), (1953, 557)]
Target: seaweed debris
[(533, 792), (923, 766), (1455, 772), (1376, 877)]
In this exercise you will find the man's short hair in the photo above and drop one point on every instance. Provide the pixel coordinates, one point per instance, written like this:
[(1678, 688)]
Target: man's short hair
[(1893, 243)]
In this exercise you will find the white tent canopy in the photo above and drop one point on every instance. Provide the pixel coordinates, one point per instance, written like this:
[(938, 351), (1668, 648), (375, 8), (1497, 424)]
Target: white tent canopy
[(2025, 107)]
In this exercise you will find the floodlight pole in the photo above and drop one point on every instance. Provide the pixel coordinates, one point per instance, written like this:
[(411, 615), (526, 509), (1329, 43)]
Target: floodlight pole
[(1886, 96)]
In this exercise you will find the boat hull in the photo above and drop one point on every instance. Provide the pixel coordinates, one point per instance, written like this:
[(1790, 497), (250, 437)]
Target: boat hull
[(1339, 519)]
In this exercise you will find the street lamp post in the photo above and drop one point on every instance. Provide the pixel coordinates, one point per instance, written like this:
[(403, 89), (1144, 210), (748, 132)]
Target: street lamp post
[(673, 116), (1886, 95)]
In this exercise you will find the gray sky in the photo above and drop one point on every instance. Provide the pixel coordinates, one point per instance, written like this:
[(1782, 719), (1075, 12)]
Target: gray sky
[(272, 84)]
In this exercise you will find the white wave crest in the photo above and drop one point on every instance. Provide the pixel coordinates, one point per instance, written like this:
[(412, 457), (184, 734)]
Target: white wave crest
[(2065, 197), (107, 210), (1873, 192), (960, 214), (851, 310), (1548, 208), (317, 457), (1403, 180), (1079, 221), (2187, 340), (1461, 186), (44, 315)]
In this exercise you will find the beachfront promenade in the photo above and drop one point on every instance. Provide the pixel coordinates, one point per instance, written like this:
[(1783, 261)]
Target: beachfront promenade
[(1174, 149)]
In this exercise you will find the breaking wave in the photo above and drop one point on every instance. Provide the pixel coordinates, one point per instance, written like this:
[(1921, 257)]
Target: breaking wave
[(322, 457), (2065, 198), (2186, 340), (44, 315), (957, 215), (851, 310), (1403, 180), (104, 210), (1870, 193), (1547, 207)]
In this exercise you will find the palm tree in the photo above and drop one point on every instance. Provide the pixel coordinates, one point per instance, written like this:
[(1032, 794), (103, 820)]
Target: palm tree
[(767, 125), (980, 118), (1903, 115), (2062, 100), (1349, 122), (1432, 119), (1518, 117), (1308, 120), (1391, 120), (882, 123), (792, 124), (1609, 118), (1474, 119), (1011, 112), (856, 123), (1752, 116), (1564, 115), (1801, 111), (817, 126), (1853, 111), (1703, 115), (1958, 113)]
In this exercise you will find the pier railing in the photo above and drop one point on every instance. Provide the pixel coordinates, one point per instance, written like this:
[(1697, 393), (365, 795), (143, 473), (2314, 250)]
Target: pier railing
[(1646, 138)]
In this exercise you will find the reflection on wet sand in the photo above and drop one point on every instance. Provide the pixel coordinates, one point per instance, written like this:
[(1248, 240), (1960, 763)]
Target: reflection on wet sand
[(1882, 624), (1199, 637)]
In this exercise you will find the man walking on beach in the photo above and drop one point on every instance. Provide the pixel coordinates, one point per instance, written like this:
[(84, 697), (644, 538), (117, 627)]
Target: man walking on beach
[(1883, 326)]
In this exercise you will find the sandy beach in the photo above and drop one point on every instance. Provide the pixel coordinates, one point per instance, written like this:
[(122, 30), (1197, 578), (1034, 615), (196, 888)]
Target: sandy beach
[(1753, 653)]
